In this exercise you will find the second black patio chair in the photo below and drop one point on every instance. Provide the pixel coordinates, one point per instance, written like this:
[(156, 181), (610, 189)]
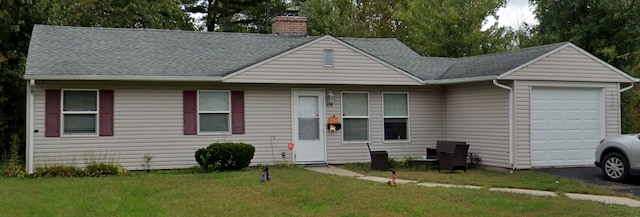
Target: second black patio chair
[(454, 161)]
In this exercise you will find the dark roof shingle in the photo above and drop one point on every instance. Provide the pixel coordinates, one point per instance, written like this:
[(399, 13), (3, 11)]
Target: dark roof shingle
[(59, 50)]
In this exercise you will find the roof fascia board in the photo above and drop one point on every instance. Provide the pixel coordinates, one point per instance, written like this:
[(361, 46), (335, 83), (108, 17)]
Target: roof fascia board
[(376, 59), (229, 76), (461, 80), (501, 76), (121, 78)]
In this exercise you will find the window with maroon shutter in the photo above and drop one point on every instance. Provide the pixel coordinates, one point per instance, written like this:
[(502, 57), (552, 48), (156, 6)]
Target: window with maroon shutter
[(52, 113), (237, 112), (106, 113), (80, 112), (214, 109), (190, 112)]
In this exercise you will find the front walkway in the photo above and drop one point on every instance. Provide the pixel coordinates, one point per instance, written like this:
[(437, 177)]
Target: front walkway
[(598, 198)]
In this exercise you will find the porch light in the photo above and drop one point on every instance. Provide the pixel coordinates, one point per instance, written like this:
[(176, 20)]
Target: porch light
[(330, 98)]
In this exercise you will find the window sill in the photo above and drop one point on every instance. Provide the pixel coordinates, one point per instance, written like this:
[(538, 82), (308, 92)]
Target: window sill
[(356, 142), (214, 133), (80, 135), (396, 141)]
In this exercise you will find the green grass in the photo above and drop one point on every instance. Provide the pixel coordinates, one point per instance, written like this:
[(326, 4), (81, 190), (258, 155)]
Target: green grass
[(525, 179), (292, 192)]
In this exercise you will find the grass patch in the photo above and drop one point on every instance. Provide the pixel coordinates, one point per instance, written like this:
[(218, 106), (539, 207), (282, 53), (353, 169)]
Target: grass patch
[(292, 192), (525, 179)]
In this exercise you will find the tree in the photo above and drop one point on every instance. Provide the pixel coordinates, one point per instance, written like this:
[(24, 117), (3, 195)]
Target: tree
[(453, 28), (17, 18), (16, 22), (348, 18), (154, 14), (608, 29), (236, 15)]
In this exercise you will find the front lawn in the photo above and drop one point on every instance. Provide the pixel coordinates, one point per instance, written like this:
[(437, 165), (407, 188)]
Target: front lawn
[(292, 192)]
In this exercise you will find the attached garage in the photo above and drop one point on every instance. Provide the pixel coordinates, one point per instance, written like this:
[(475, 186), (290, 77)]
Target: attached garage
[(546, 106), (566, 125)]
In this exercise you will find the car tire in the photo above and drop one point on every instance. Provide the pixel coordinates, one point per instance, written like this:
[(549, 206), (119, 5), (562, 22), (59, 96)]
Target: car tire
[(615, 167)]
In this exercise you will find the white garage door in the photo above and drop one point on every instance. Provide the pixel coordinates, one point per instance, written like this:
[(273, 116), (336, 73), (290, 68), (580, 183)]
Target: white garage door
[(566, 125)]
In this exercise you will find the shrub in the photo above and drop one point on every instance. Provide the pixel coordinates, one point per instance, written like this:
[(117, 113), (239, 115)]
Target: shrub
[(57, 170), (225, 156), (13, 167), (100, 169)]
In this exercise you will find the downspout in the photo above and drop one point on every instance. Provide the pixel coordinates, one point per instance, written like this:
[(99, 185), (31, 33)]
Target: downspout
[(29, 148), (444, 114), (495, 82), (627, 88)]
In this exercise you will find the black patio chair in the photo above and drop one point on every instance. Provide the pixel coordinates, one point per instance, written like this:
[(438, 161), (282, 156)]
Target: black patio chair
[(456, 160)]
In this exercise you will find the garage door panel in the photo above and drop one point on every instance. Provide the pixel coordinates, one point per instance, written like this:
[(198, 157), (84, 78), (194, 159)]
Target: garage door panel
[(566, 125)]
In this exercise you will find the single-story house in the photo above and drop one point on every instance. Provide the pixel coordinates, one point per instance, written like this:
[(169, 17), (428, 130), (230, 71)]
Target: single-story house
[(124, 95)]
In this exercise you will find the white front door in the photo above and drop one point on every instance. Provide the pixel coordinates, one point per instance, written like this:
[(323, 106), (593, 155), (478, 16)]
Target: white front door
[(308, 121)]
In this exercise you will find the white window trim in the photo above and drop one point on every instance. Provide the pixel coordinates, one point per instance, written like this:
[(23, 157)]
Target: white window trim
[(228, 132), (62, 113), (407, 117), (368, 117), (325, 59)]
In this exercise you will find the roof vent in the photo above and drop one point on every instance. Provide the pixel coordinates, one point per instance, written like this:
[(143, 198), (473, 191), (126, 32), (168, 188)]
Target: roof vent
[(328, 57)]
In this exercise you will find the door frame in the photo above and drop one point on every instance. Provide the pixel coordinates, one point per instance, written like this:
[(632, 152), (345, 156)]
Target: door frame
[(322, 124)]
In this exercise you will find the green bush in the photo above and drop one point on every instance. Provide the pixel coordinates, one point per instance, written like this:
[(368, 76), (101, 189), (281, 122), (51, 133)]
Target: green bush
[(13, 167), (225, 156), (57, 170), (100, 169)]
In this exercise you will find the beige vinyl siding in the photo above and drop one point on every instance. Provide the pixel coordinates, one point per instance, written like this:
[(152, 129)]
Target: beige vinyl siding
[(148, 120), (567, 64), (478, 113), (522, 113), (306, 66), (425, 121)]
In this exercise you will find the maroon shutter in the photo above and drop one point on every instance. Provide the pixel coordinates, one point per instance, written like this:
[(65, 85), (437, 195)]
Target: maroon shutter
[(237, 112), (106, 112), (190, 112), (52, 113)]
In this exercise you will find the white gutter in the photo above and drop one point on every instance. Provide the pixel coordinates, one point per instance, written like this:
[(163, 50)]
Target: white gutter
[(121, 78), (495, 82), (460, 80), (29, 148), (627, 88)]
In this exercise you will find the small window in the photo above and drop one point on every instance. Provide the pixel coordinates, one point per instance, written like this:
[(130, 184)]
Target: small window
[(355, 117), (80, 111), (214, 111), (328, 57), (396, 116)]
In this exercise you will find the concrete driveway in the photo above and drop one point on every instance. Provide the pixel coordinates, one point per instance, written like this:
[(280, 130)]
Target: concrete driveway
[(593, 175)]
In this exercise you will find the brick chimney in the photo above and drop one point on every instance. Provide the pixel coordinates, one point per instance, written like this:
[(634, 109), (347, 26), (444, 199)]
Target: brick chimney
[(289, 26)]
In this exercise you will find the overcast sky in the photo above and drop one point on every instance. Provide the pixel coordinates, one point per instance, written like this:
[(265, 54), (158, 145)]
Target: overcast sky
[(516, 12)]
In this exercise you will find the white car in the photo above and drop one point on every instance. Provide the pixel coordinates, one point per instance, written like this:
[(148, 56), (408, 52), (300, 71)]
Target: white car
[(619, 157)]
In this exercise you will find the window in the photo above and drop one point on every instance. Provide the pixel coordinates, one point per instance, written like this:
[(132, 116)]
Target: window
[(396, 115), (79, 111), (213, 111), (328, 57), (355, 116)]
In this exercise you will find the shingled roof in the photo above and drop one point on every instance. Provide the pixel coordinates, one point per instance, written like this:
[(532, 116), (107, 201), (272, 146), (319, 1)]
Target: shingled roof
[(496, 63), (118, 53), (58, 50)]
